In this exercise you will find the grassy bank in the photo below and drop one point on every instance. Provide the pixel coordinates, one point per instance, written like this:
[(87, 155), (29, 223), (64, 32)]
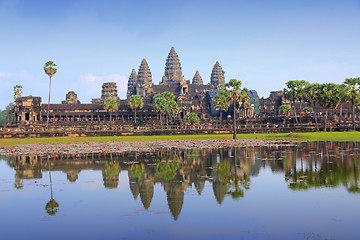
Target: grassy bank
[(313, 136), (320, 136)]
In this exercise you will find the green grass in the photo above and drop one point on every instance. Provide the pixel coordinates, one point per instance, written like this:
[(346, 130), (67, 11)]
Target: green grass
[(313, 136)]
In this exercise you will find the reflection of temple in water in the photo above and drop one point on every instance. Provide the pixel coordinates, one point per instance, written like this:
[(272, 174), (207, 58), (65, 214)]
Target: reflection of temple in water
[(307, 165)]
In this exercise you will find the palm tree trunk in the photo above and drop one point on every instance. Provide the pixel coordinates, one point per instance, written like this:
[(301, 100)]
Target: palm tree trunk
[(300, 112), (353, 114), (48, 108), (161, 121), (135, 115), (315, 116), (234, 134), (295, 115), (326, 118)]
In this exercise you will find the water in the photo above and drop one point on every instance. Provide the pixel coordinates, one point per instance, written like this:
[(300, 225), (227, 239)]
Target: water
[(307, 191)]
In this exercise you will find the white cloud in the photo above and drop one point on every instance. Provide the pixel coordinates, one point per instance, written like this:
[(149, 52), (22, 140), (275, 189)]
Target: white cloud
[(94, 81)]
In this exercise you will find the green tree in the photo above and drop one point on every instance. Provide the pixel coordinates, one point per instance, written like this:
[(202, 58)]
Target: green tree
[(50, 69), (17, 90), (233, 87), (5, 114), (295, 91), (285, 109), (165, 104), (354, 87), (136, 102), (328, 98), (111, 105), (192, 118), (244, 98), (312, 96), (221, 101)]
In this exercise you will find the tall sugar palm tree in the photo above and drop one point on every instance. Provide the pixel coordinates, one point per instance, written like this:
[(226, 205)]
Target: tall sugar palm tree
[(111, 105), (233, 87), (50, 69), (221, 101), (354, 85), (311, 95), (136, 102)]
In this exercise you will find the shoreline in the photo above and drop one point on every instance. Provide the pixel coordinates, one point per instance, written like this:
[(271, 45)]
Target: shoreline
[(138, 146)]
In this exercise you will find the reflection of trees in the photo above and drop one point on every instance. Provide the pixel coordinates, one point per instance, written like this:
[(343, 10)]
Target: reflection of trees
[(166, 171), (325, 165), (232, 177), (52, 206), (111, 174)]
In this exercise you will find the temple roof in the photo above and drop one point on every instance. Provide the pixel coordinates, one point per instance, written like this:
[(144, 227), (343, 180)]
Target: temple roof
[(197, 79)]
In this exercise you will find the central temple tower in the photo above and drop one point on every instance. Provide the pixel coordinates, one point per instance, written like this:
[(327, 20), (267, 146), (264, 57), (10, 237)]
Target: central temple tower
[(173, 71)]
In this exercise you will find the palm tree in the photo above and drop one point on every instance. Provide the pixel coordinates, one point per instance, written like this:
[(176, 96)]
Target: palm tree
[(354, 85), (295, 91), (165, 104), (50, 69), (17, 91), (233, 87), (329, 98), (286, 110), (135, 102), (311, 94), (111, 105), (244, 98), (221, 101)]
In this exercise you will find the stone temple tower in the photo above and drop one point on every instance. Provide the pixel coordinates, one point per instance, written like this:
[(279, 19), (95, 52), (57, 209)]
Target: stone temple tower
[(173, 71), (132, 84), (217, 79), (144, 85), (109, 89), (197, 79)]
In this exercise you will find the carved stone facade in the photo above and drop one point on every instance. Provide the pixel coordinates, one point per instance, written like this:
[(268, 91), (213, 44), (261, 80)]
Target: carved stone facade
[(71, 98), (132, 84), (109, 90), (197, 79), (144, 80), (190, 96), (173, 71), (217, 79)]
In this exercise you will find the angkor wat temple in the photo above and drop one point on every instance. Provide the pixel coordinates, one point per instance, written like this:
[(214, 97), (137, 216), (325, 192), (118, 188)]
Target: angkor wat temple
[(190, 95)]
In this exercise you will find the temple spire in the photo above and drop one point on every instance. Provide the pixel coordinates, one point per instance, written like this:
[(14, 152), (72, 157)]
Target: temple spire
[(197, 79), (173, 71), (132, 84), (217, 79), (144, 79)]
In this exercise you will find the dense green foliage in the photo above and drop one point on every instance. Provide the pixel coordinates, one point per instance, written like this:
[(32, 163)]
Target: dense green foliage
[(166, 171), (192, 118), (111, 105), (165, 104), (136, 102)]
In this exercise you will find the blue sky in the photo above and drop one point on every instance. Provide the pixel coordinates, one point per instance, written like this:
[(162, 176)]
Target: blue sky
[(263, 43)]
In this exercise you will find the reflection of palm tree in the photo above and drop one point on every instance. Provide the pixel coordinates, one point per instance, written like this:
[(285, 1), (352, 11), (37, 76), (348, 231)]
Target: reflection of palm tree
[(111, 174), (354, 185), (51, 207)]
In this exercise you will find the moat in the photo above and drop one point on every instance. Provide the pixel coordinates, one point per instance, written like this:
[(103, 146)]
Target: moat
[(298, 191)]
